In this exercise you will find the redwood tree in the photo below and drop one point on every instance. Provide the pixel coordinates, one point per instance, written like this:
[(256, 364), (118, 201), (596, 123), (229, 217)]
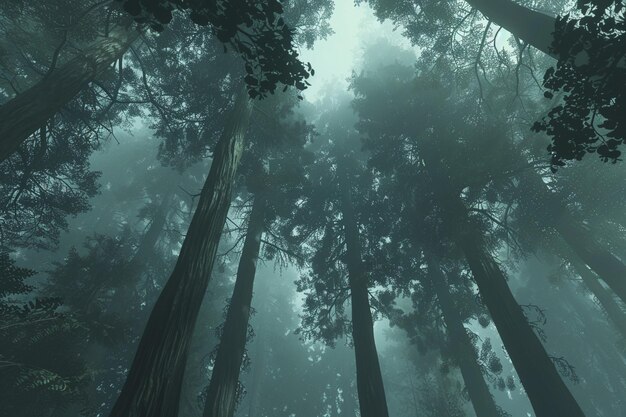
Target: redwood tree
[(154, 380)]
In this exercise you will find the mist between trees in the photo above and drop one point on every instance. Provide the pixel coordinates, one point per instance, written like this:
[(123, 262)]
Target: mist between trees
[(196, 223)]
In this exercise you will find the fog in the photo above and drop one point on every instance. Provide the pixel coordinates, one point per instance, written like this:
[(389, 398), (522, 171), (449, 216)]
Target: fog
[(312, 209)]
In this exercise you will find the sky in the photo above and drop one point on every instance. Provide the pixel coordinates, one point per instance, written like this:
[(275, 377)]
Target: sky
[(333, 59)]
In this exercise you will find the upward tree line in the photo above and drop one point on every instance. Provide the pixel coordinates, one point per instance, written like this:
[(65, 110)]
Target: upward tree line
[(409, 191)]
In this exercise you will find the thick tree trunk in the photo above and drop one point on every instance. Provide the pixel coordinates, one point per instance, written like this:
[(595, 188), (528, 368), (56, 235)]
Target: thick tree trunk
[(153, 385), (534, 28), (547, 392), (462, 347), (222, 393), (372, 401), (600, 260), (21, 116)]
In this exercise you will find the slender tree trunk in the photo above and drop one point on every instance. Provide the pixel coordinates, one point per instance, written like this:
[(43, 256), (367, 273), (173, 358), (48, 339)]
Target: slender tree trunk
[(606, 265), (547, 392), (21, 116), (534, 28), (613, 311), (151, 237), (153, 385), (372, 401), (463, 349), (222, 393)]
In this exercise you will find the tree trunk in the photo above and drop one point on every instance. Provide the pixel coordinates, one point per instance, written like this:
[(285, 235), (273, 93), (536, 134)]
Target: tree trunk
[(151, 237), (153, 385), (222, 393), (21, 116), (613, 311), (462, 347), (534, 28), (547, 392), (606, 265), (372, 401)]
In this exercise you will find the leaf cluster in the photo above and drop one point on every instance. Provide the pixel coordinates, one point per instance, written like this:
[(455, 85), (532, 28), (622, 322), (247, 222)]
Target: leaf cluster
[(590, 76), (255, 30)]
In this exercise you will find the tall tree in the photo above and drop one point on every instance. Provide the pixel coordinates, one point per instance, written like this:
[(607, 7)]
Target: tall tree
[(154, 380), (545, 388), (372, 400), (328, 220), (223, 388), (428, 158), (478, 391), (274, 154)]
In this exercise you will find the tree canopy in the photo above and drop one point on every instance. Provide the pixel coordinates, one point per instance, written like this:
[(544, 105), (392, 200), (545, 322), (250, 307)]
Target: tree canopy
[(312, 208)]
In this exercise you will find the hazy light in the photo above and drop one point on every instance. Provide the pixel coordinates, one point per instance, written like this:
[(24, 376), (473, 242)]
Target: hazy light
[(334, 58)]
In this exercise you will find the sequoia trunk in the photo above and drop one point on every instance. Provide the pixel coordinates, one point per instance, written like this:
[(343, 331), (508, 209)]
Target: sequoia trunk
[(547, 392), (222, 393), (462, 347), (372, 401), (23, 115), (152, 388)]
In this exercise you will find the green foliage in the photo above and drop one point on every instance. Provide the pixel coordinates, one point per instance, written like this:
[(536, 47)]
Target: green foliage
[(39, 348), (13, 277), (256, 31), (590, 76), (49, 178)]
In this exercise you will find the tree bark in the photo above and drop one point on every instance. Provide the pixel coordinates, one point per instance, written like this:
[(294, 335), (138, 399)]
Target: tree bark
[(222, 392), (534, 28), (547, 392), (153, 385), (462, 348), (372, 401), (21, 116)]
